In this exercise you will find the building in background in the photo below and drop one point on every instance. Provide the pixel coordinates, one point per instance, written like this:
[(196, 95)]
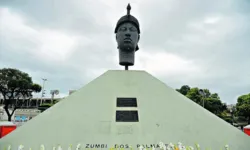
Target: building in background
[(71, 91), (231, 106), (27, 111)]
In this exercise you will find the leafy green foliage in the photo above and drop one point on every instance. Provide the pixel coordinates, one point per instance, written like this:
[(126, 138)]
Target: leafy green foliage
[(212, 101), (184, 89), (243, 106), (16, 86), (194, 95)]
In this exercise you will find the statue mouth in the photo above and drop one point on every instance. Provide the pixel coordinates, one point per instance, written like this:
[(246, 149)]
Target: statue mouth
[(127, 40)]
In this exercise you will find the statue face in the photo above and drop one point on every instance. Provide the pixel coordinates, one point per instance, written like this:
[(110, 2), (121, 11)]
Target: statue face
[(127, 37)]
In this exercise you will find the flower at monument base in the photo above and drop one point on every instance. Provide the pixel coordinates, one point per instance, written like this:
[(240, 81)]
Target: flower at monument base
[(171, 145), (180, 146), (54, 148), (153, 148), (9, 147), (70, 147), (168, 148), (42, 147), (189, 148), (197, 146), (20, 147), (59, 147), (162, 146), (78, 146), (227, 147), (141, 148)]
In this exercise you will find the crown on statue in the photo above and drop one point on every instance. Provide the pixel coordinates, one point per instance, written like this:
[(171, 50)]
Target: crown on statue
[(128, 18)]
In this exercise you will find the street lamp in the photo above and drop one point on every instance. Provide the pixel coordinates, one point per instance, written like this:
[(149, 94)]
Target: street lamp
[(232, 110), (53, 93), (43, 91), (203, 94)]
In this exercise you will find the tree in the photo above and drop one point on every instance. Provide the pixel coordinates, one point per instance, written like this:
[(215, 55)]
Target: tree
[(212, 102), (16, 87), (215, 106), (194, 95), (184, 89), (243, 106)]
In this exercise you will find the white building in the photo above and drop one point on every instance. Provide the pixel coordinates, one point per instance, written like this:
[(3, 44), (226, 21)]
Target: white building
[(231, 106)]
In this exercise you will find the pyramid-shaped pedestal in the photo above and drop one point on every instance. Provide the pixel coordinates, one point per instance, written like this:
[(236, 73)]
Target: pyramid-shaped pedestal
[(130, 108)]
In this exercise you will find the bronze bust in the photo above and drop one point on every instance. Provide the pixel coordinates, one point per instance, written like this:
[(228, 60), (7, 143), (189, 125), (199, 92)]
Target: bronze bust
[(127, 36)]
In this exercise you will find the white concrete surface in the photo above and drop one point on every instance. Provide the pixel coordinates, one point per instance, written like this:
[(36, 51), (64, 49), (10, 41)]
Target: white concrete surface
[(88, 117)]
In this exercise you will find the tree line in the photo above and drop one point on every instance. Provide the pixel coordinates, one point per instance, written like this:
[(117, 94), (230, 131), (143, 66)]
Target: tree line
[(213, 103)]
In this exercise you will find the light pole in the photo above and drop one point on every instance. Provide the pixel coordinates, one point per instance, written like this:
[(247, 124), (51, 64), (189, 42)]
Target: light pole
[(232, 110), (53, 93), (203, 94), (43, 91)]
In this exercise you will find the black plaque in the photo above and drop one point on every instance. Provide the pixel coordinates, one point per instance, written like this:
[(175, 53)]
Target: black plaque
[(126, 102), (127, 116)]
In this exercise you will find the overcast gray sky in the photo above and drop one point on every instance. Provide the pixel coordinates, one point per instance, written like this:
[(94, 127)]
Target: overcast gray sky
[(201, 43)]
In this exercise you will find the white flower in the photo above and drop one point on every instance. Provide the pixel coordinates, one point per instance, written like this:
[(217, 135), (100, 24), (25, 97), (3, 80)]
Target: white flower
[(78, 146), (171, 145), (227, 147), (70, 147), (42, 147), (169, 148), (179, 144), (20, 147), (9, 147), (162, 145), (54, 148), (141, 148), (191, 147), (153, 148), (59, 147)]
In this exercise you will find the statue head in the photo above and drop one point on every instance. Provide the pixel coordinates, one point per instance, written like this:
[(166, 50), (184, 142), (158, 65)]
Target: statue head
[(127, 36)]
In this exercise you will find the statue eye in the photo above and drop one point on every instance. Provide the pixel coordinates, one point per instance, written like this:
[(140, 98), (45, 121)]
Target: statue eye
[(133, 29), (123, 29)]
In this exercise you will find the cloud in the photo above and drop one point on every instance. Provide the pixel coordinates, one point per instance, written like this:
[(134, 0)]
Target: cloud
[(38, 51), (199, 43), (161, 64), (47, 44)]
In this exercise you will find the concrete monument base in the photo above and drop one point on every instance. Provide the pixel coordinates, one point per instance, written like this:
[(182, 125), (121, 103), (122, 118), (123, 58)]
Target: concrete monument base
[(89, 117)]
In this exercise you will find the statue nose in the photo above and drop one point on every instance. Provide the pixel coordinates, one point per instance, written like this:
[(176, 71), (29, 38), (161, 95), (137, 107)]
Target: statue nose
[(127, 34)]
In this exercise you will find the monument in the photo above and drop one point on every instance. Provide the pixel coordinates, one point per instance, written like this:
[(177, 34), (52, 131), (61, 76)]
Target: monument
[(127, 36), (126, 110)]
